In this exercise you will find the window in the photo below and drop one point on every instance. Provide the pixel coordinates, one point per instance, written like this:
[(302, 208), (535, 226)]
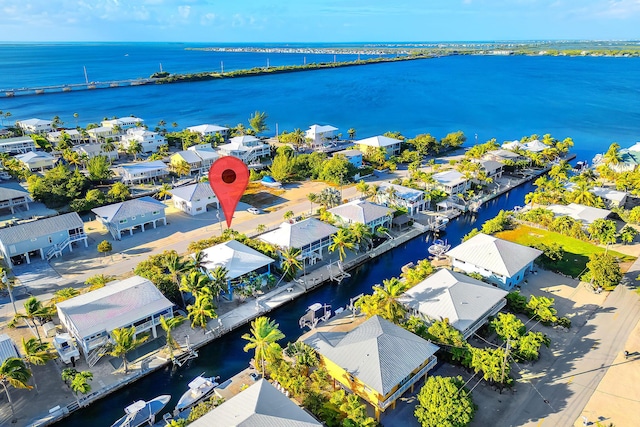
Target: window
[(156, 212), (50, 240), (123, 221)]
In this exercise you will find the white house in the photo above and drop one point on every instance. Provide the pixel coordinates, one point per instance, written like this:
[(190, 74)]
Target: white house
[(131, 214), (143, 171), (319, 134), (102, 133), (208, 130), (123, 122), (37, 160), (612, 198), (90, 318), (451, 182), (247, 148), (582, 213), (354, 157), (535, 146), (93, 150), (492, 169), (502, 262), (503, 156), (398, 195), (391, 146), (466, 302), (37, 126), (150, 141), (311, 236), (74, 136), (194, 199), (364, 212), (18, 145)]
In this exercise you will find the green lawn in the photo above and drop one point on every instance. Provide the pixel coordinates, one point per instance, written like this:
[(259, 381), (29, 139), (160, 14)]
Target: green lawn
[(576, 251)]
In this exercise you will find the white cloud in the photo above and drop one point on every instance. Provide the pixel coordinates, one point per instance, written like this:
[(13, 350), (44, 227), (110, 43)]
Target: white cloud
[(208, 19), (184, 11)]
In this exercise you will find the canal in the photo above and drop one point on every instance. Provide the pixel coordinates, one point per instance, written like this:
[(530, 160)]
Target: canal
[(225, 357)]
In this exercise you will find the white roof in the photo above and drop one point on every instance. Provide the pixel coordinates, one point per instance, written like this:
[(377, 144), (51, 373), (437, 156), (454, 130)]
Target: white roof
[(7, 348), (454, 296), (513, 145), (204, 129), (118, 304), (200, 190), (318, 129), (450, 177), (402, 192), (237, 258), (299, 234), (379, 141), (204, 152), (493, 254), (535, 146), (349, 153), (34, 156), (586, 214), (505, 154), (142, 167), (260, 405), (609, 194), (35, 122), (243, 139), (361, 211), (634, 147), (490, 165)]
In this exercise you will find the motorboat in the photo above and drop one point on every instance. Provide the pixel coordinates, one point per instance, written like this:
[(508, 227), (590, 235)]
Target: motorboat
[(141, 412), (66, 348), (269, 181), (199, 389), (315, 313), (438, 248)]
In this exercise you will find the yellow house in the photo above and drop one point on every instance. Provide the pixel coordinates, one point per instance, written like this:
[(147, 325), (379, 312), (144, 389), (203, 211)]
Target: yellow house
[(376, 360)]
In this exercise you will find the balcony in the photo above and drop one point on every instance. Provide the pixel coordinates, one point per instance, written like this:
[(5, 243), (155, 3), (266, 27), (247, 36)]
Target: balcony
[(385, 404)]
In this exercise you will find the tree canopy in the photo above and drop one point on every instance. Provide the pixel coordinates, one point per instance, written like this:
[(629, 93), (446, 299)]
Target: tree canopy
[(444, 402)]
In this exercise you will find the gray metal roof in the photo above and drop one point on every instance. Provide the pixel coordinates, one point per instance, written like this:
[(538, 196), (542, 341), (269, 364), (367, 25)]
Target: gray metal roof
[(188, 156), (42, 227), (201, 190), (260, 405), (585, 214), (32, 156), (454, 296), (142, 167), (361, 211), (128, 208), (493, 254), (237, 258), (378, 141), (299, 234), (11, 193), (7, 348), (116, 305), (402, 192), (377, 352)]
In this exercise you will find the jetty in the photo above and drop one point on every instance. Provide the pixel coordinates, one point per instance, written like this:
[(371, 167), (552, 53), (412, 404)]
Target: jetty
[(41, 90)]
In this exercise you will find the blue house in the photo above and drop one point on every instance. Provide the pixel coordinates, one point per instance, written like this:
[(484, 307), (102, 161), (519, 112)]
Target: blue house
[(131, 214), (46, 237), (354, 157)]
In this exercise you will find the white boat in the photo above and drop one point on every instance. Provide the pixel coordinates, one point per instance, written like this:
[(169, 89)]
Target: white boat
[(66, 348), (438, 248), (141, 412), (199, 389), (315, 313), (268, 181)]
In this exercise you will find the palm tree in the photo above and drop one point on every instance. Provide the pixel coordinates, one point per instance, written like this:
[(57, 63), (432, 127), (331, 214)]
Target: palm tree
[(175, 266), (168, 325), (134, 149), (164, 191), (263, 338), (201, 311), (298, 137), (34, 311), (388, 295), (108, 146), (194, 282), (36, 353), (219, 281), (373, 191), (313, 198), (341, 241), (125, 340), (80, 384), (288, 215), (352, 133), (15, 373), (612, 156), (363, 188), (290, 262), (582, 194), (361, 234), (260, 228), (64, 294), (182, 168)]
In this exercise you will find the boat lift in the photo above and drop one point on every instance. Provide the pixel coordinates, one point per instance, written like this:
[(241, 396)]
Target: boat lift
[(188, 354), (340, 274), (315, 313)]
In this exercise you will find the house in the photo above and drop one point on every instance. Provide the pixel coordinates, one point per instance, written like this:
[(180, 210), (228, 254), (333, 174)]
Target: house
[(194, 199), (47, 237), (7, 348), (150, 141), (130, 214), (513, 145), (75, 137), (375, 359), (492, 169), (100, 134), (582, 213), (364, 212), (535, 146), (502, 262), (612, 198), (451, 182), (199, 159), (392, 194), (503, 156), (91, 317), (260, 404), (93, 150), (391, 146), (238, 259), (37, 160), (123, 123), (629, 159), (18, 145), (37, 126), (11, 198), (144, 171), (210, 130), (354, 157), (311, 236), (247, 148), (468, 303), (319, 134)]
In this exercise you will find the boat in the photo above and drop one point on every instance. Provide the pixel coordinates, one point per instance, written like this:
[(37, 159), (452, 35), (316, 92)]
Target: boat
[(315, 313), (66, 348), (199, 389), (141, 412), (439, 247), (269, 181)]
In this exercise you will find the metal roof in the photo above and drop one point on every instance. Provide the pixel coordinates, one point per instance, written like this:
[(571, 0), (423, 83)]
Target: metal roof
[(207, 128), (260, 405), (188, 156), (450, 177), (11, 193), (361, 211), (142, 167), (378, 141), (609, 193), (349, 153), (128, 208), (118, 304), (493, 254), (299, 234), (237, 258), (402, 192), (7, 348), (379, 353), (586, 214), (201, 190), (42, 227), (34, 155)]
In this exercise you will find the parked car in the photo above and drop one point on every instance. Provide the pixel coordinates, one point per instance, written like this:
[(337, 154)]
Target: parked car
[(254, 211)]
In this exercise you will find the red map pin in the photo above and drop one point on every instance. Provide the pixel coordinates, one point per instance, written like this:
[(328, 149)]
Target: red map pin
[(228, 178)]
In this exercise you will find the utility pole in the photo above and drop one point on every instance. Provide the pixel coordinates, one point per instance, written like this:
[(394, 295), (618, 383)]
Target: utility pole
[(5, 281)]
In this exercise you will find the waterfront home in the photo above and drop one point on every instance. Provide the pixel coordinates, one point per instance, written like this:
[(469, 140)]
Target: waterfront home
[(354, 157), (12, 198), (513, 145), (451, 182), (74, 136), (130, 214), (194, 199), (34, 160), (144, 171), (397, 195), (260, 404), (238, 259), (585, 214), (629, 159), (502, 262), (91, 317), (47, 237), (209, 131), (150, 141), (503, 156), (612, 198), (492, 169), (199, 158), (311, 236), (247, 148), (18, 145), (123, 123), (318, 135), (362, 211), (466, 302), (101, 134), (36, 126), (93, 150), (7, 348), (390, 146), (375, 359), (535, 146)]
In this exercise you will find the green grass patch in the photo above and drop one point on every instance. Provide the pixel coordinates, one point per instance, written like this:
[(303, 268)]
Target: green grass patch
[(576, 251)]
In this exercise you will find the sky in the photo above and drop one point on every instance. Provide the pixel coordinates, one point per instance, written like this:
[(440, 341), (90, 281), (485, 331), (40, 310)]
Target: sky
[(237, 21)]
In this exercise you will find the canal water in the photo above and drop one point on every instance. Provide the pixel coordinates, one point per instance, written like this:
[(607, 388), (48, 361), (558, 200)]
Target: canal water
[(225, 356)]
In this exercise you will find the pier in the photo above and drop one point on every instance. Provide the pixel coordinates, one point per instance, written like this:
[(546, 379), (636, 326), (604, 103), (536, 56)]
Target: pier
[(40, 90)]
